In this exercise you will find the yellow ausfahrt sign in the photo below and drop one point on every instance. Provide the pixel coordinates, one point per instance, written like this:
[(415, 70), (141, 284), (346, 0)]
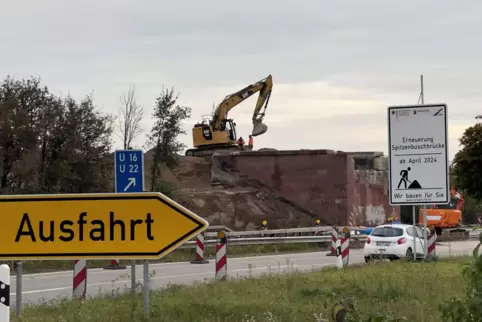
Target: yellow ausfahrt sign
[(94, 226)]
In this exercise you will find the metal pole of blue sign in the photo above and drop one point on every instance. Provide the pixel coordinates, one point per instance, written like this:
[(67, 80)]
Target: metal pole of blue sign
[(146, 288), (129, 178)]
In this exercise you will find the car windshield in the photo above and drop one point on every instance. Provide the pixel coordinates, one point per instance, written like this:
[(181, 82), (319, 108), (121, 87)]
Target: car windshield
[(387, 232)]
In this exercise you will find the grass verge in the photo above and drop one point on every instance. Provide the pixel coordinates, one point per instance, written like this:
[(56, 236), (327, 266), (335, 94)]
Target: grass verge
[(412, 290), (179, 255)]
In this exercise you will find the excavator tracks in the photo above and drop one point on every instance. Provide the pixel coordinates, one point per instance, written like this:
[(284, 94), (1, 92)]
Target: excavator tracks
[(208, 152), (454, 234)]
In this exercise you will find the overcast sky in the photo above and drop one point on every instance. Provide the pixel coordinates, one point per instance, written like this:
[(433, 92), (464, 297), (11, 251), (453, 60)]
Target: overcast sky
[(336, 65)]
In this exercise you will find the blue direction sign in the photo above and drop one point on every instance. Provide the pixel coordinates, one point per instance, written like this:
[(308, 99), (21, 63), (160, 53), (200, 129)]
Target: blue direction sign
[(129, 171)]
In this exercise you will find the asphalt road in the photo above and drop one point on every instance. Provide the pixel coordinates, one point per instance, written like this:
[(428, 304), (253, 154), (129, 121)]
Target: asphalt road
[(41, 288)]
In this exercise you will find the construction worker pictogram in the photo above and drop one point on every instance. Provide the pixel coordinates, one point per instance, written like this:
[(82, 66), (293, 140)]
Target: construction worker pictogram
[(404, 179)]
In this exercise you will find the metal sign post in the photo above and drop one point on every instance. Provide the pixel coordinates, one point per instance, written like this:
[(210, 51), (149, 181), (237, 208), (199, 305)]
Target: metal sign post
[(418, 158), (129, 177)]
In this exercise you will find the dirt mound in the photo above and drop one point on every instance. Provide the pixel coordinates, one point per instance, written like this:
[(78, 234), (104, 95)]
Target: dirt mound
[(191, 172), (244, 209), (414, 185), (224, 197)]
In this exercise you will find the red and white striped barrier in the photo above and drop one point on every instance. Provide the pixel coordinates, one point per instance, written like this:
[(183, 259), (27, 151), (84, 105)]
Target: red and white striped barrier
[(431, 245), (221, 258), (343, 252), (200, 250), (80, 279), (115, 264), (334, 238), (4, 293)]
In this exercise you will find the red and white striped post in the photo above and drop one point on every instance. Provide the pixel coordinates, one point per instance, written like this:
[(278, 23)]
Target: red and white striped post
[(115, 264), (200, 250), (221, 258), (80, 279), (334, 238), (343, 248), (5, 293), (431, 245)]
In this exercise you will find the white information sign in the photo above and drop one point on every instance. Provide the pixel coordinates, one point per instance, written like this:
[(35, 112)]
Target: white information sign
[(417, 151)]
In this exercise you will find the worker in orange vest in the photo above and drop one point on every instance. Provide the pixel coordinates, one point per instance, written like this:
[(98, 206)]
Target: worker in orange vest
[(250, 143), (240, 143)]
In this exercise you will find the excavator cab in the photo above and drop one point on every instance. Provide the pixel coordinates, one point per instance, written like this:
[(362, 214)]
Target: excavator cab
[(230, 127)]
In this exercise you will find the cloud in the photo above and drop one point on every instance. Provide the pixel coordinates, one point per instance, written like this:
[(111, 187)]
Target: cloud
[(336, 65)]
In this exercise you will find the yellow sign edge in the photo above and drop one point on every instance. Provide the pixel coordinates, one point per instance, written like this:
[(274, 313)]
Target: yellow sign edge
[(203, 225)]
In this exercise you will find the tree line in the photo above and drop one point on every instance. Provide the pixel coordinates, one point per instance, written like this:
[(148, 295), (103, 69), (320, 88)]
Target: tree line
[(466, 174), (51, 144)]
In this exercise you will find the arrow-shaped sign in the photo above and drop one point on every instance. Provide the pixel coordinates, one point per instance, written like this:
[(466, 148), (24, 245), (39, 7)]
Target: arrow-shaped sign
[(100, 226), (132, 182)]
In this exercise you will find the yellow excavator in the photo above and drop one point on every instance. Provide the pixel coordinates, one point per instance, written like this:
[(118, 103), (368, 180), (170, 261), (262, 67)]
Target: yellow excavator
[(218, 132)]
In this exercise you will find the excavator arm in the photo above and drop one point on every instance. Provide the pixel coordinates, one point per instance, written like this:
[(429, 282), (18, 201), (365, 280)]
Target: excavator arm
[(264, 88)]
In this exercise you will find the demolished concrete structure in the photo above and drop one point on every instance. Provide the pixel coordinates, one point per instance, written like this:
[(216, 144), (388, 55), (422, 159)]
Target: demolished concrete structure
[(339, 188), (238, 204), (286, 188)]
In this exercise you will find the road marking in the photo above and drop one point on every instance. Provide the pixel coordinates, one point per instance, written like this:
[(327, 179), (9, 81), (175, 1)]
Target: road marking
[(43, 290), (259, 258), (182, 264), (272, 268)]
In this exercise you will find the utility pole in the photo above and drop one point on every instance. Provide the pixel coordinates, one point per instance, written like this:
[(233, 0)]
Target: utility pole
[(424, 207), (421, 90)]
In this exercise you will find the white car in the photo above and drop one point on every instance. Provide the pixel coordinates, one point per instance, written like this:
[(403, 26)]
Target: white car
[(394, 241)]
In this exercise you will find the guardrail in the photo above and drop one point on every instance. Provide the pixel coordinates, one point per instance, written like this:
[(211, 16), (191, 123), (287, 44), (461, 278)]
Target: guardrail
[(272, 240), (283, 232), (285, 236), (216, 228)]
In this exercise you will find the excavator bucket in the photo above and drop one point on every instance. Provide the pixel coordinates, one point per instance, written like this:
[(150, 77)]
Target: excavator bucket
[(259, 128)]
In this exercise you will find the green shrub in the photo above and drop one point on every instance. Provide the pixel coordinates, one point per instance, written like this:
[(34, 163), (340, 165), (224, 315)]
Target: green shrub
[(467, 308)]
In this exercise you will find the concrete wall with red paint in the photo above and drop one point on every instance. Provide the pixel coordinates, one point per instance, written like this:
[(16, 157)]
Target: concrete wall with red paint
[(314, 180), (324, 182)]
